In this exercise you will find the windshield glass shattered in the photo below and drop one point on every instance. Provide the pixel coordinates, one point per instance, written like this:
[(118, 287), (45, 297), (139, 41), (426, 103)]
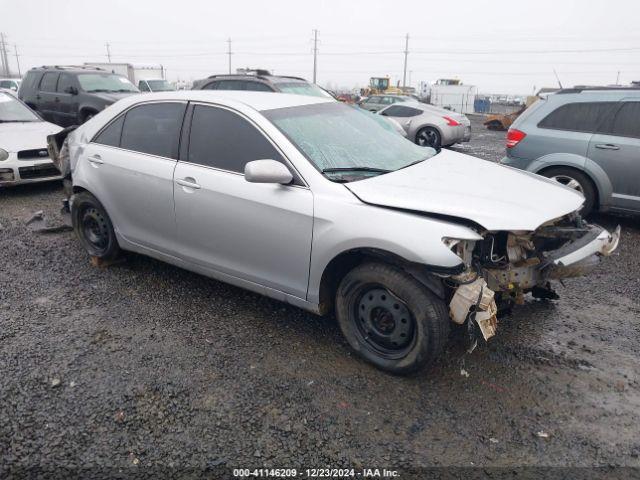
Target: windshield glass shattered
[(342, 140), (105, 82)]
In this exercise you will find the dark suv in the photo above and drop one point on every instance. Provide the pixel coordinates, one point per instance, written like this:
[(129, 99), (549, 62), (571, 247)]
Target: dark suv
[(72, 95), (260, 81)]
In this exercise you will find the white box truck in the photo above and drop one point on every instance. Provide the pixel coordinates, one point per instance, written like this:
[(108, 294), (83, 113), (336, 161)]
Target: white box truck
[(148, 78)]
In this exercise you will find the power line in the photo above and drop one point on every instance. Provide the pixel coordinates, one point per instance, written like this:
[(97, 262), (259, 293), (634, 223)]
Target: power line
[(315, 54), (406, 53), (15, 47)]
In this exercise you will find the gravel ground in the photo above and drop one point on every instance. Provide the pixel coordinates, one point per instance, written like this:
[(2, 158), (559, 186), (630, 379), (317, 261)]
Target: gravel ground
[(142, 367)]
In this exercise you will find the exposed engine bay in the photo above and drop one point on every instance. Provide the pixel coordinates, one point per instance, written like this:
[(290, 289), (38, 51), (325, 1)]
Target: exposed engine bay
[(504, 266)]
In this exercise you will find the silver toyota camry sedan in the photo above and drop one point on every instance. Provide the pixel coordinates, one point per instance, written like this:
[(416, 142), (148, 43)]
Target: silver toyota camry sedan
[(321, 205)]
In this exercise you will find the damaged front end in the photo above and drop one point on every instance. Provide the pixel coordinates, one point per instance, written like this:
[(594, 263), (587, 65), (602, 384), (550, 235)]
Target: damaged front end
[(504, 266)]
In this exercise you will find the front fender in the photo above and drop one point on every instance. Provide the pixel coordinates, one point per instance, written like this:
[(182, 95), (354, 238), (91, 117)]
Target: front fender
[(343, 226)]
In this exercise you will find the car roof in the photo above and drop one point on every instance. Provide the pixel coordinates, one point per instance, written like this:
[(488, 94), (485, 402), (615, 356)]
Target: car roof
[(260, 101), (256, 77), (69, 68)]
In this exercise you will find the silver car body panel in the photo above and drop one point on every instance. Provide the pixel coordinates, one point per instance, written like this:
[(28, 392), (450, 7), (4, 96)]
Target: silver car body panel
[(278, 240), (458, 185)]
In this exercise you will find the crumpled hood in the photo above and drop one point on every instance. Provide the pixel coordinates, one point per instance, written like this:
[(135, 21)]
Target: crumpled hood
[(492, 195), (16, 136)]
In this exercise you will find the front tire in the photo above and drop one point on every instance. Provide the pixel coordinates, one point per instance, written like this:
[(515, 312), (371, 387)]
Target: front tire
[(390, 319), (578, 181), (93, 227)]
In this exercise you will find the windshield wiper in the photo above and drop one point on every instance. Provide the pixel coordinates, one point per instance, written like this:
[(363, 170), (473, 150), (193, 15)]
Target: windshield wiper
[(99, 90), (354, 169)]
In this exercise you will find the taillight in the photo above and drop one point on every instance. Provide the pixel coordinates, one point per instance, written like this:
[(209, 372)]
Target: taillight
[(451, 122), (514, 137)]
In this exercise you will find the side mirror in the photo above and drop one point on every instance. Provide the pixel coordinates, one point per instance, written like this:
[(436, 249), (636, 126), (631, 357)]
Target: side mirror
[(267, 171), (71, 90)]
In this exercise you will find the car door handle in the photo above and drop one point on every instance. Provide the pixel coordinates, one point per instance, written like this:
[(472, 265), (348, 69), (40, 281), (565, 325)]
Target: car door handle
[(95, 159), (607, 146), (188, 182)]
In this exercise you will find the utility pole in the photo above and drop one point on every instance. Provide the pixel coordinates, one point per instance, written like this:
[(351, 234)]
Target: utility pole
[(4, 68), (229, 53), (618, 78), (406, 53), (5, 60), (108, 52), (315, 55), (15, 47)]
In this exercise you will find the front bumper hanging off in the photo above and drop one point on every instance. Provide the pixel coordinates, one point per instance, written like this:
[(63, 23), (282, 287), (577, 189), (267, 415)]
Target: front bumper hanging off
[(474, 298)]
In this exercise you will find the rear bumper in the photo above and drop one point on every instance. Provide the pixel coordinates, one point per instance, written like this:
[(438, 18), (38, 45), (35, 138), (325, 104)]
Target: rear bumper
[(459, 134)]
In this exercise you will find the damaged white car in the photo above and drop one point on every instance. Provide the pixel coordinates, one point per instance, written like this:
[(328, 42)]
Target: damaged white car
[(315, 203)]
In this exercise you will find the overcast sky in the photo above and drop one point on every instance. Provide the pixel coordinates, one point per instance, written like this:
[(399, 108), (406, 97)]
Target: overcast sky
[(499, 46)]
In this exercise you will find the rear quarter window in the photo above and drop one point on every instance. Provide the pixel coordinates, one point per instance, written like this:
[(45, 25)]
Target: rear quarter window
[(578, 117)]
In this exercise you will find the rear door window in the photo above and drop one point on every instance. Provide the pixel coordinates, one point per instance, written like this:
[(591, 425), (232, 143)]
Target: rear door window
[(154, 129), (222, 139), (401, 111), (578, 117), (65, 82), (625, 123), (111, 135), (49, 82)]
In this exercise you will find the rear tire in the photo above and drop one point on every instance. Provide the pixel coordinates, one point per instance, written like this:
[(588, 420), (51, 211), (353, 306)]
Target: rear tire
[(390, 319), (93, 227), (577, 180), (429, 137)]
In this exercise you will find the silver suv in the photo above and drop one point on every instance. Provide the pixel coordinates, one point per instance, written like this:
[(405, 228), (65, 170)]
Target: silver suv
[(587, 139)]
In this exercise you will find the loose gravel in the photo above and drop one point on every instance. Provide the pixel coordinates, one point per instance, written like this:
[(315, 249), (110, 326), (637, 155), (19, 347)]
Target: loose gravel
[(142, 367)]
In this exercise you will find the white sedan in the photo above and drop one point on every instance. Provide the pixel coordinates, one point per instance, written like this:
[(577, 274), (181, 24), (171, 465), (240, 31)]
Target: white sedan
[(23, 144)]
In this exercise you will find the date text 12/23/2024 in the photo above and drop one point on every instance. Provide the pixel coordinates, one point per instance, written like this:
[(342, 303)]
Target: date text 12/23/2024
[(315, 473)]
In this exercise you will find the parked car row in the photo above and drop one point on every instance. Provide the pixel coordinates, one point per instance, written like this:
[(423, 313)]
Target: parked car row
[(328, 174)]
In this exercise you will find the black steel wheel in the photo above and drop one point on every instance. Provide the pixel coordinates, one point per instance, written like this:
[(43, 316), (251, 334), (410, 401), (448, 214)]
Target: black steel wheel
[(391, 319), (429, 137), (384, 321), (93, 226)]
